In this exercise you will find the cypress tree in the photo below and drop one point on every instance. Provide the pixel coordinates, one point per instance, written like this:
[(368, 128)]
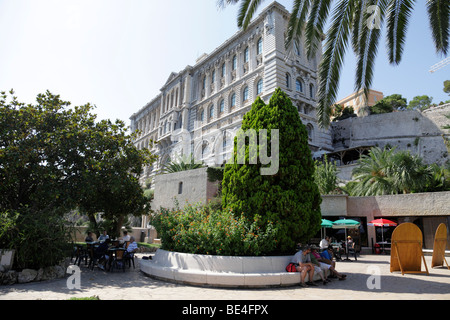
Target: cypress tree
[(289, 198)]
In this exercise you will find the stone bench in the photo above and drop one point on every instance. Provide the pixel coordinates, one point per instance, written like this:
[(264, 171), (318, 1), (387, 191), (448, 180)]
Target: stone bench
[(221, 271)]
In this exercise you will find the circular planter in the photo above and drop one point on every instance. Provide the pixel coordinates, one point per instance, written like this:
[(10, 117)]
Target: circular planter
[(220, 271)]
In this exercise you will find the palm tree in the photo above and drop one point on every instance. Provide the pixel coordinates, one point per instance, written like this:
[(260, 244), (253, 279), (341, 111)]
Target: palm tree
[(389, 172), (358, 22), (408, 173), (372, 175), (182, 163)]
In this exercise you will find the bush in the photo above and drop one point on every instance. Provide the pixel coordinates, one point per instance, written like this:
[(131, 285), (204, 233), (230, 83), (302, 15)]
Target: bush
[(289, 198), (41, 239), (203, 229)]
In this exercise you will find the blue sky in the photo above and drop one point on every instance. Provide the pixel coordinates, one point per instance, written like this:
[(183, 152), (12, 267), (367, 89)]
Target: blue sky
[(117, 54)]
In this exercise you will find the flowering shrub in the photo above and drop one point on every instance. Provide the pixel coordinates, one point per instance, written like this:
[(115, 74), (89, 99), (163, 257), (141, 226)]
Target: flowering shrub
[(205, 230)]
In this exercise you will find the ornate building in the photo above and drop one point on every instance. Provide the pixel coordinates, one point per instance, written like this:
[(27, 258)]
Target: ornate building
[(201, 106)]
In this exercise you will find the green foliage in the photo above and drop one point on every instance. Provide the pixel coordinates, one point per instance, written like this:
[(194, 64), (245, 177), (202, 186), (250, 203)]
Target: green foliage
[(325, 176), (203, 229), (420, 102), (341, 113), (54, 159), (447, 86), (389, 172), (182, 163), (289, 198), (389, 104), (351, 24), (41, 239)]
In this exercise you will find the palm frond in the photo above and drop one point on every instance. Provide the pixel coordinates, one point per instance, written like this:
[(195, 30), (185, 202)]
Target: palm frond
[(296, 21), (314, 27), (330, 66), (367, 46), (246, 12), (439, 15), (398, 14)]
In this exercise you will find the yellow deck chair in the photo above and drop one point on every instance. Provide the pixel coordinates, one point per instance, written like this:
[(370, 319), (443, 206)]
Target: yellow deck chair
[(440, 243), (406, 249)]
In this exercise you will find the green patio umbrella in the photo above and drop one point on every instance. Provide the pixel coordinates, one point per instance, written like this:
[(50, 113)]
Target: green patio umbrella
[(346, 224), (325, 224)]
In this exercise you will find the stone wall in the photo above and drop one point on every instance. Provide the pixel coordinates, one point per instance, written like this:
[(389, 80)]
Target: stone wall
[(419, 132), (187, 186)]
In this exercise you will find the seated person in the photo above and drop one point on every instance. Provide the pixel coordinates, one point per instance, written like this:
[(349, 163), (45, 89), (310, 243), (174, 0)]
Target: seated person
[(103, 237), (324, 265), (89, 237), (303, 264), (324, 243), (100, 253), (132, 247), (125, 237)]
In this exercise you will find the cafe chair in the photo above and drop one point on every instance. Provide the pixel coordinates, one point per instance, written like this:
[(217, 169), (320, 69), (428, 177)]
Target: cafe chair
[(118, 260), (129, 257), (80, 254)]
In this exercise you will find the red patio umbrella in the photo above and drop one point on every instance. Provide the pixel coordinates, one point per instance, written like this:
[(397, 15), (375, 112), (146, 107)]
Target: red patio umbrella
[(382, 223)]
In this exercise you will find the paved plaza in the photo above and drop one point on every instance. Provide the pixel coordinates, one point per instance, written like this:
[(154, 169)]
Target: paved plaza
[(362, 283)]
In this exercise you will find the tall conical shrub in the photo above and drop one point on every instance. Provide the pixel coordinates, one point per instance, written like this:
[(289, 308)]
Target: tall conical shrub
[(289, 198)]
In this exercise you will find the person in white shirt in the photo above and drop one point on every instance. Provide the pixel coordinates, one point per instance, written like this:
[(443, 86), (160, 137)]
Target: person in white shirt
[(324, 243), (125, 237)]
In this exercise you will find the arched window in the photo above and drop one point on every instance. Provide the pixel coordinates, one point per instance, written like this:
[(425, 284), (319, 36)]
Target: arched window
[(213, 76), (311, 90), (233, 100), (222, 106), (288, 80), (259, 46), (223, 70), (298, 85), (259, 87), (310, 130), (246, 55), (245, 94), (202, 115), (234, 65), (211, 111)]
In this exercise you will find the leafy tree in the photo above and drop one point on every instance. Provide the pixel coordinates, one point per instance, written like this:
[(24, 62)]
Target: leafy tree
[(358, 22), (54, 158), (341, 113), (325, 176), (389, 104), (289, 198), (420, 102), (447, 86)]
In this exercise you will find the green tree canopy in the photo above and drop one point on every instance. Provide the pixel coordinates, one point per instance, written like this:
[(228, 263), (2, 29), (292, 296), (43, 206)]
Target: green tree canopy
[(420, 102), (54, 157), (447, 86), (289, 198), (389, 104)]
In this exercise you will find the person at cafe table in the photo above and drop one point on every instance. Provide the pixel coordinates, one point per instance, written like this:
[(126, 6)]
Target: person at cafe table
[(132, 247)]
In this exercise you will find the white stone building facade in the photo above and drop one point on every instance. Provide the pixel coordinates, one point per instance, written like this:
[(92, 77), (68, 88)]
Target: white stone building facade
[(200, 107)]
